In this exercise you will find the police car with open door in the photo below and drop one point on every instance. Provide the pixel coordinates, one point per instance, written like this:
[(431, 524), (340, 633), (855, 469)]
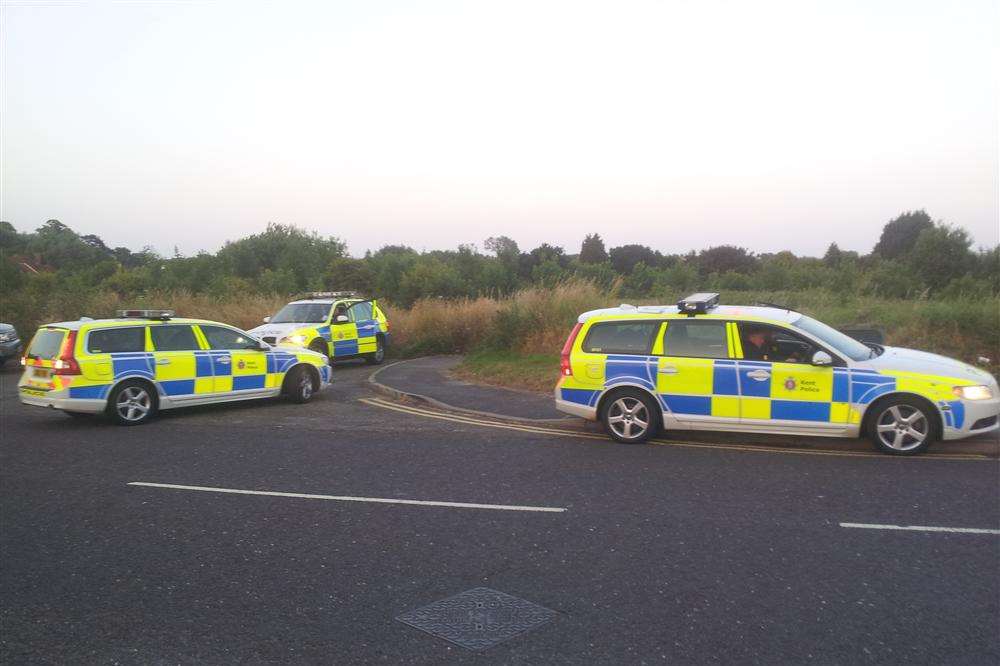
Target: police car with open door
[(704, 366), (338, 324)]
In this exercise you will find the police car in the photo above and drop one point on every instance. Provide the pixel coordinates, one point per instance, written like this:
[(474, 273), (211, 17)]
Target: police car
[(704, 366), (148, 360), (338, 324)]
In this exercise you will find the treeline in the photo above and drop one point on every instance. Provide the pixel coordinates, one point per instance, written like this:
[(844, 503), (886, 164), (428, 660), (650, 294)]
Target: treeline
[(914, 257)]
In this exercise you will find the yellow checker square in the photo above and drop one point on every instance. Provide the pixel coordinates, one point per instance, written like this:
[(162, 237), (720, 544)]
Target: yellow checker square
[(273, 380), (727, 407), (796, 381), (249, 364), (840, 412), (755, 408), (176, 366), (204, 385), (694, 376), (223, 384)]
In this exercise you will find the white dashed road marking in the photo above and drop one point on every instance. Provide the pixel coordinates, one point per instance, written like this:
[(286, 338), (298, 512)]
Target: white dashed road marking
[(921, 528), (344, 498)]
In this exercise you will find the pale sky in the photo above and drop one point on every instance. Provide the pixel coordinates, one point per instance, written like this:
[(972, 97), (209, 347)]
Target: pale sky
[(679, 125)]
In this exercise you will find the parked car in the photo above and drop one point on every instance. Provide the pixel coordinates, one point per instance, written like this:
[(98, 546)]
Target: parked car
[(147, 360), (10, 344), (339, 324), (704, 366)]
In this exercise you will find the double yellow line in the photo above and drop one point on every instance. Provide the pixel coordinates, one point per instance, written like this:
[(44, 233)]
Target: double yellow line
[(561, 432)]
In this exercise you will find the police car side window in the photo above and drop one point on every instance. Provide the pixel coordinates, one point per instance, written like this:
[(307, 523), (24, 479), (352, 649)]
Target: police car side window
[(173, 338), (621, 337), (116, 340), (361, 311), (762, 342), (226, 338), (697, 339)]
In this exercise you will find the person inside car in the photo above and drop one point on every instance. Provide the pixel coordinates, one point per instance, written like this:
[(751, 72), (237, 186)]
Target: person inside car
[(759, 345)]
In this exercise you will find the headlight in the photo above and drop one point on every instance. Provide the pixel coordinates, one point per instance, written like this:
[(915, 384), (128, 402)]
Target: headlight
[(7, 337), (294, 339), (979, 392)]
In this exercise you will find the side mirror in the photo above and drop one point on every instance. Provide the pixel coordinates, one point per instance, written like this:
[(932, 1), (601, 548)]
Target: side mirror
[(341, 319), (267, 320), (821, 358)]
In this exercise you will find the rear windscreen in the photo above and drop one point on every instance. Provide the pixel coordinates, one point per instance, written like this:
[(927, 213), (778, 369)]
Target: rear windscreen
[(47, 343)]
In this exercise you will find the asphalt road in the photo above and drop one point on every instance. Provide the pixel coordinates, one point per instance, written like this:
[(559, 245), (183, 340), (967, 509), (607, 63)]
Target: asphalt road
[(689, 555)]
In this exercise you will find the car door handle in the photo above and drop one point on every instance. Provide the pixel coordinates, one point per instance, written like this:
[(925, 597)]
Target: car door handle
[(163, 361), (668, 370), (759, 375)]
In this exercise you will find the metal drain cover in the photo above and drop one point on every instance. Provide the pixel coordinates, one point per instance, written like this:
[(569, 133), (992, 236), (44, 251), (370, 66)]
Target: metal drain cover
[(479, 618)]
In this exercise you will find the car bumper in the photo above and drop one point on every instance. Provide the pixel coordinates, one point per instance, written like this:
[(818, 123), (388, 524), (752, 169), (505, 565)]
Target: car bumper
[(978, 417), (574, 408), (58, 400)]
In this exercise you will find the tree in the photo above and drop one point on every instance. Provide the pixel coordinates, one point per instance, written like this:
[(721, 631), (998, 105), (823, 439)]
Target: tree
[(833, 256), (504, 248), (626, 257), (592, 251), (900, 235), (941, 254), (725, 258)]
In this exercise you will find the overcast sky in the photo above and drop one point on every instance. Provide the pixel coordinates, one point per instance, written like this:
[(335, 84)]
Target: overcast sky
[(771, 125)]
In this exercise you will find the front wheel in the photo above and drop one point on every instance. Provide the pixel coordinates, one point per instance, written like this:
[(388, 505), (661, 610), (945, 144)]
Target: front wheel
[(630, 417), (376, 357), (299, 385), (901, 427), (132, 403)]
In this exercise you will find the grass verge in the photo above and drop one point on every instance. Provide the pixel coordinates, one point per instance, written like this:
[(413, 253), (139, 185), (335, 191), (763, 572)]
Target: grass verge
[(531, 372)]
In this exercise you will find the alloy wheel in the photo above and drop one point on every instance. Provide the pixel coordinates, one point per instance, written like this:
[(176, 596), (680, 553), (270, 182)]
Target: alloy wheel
[(629, 418), (902, 427), (133, 404)]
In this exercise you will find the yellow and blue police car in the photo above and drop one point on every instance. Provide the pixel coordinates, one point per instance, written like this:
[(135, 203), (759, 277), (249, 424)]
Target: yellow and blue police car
[(148, 360), (704, 366), (338, 324)]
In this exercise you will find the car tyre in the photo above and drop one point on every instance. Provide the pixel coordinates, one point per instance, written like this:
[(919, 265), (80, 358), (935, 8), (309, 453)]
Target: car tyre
[(376, 357), (298, 386), (902, 426), (132, 403), (630, 416)]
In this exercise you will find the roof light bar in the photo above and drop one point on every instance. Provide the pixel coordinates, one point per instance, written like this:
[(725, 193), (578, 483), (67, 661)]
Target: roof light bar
[(326, 294), (162, 315), (698, 303)]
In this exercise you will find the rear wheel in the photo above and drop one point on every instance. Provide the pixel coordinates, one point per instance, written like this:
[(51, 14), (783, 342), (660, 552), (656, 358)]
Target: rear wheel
[(376, 357), (630, 416), (902, 426), (132, 403), (299, 385)]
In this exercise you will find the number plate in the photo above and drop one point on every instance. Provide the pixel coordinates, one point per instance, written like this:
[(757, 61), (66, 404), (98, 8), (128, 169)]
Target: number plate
[(33, 392)]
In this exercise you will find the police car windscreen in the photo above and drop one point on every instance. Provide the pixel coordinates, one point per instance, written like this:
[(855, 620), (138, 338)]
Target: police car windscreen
[(843, 343), (306, 313)]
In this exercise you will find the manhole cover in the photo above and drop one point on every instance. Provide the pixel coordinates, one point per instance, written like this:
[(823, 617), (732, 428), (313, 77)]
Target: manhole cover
[(479, 618)]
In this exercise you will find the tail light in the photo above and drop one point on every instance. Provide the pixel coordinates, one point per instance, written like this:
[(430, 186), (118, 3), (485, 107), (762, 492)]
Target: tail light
[(65, 363), (565, 369)]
